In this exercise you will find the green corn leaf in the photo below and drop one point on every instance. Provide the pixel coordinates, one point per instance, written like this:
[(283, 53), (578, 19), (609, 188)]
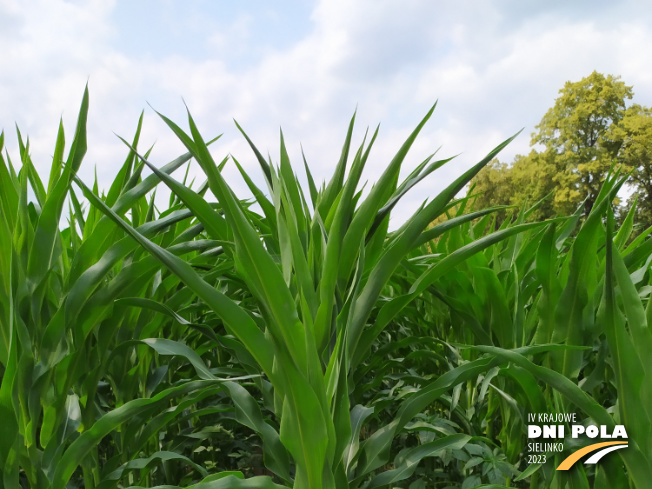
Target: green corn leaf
[(76, 452), (410, 459), (635, 460), (57, 159), (238, 321), (629, 369), (378, 196), (393, 307), (114, 477), (334, 187), (248, 413), (212, 221), (403, 244)]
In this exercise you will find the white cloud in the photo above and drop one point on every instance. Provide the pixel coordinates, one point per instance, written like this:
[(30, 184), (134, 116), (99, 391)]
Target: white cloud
[(494, 66)]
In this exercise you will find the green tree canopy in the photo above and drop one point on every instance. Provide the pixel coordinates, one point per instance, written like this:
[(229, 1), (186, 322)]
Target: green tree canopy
[(579, 139), (634, 132)]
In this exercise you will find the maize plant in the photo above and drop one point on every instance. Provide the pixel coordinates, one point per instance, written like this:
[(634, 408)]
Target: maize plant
[(300, 342)]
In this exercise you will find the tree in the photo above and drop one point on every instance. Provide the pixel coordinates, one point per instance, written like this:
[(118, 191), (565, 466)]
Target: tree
[(492, 185), (528, 180), (634, 132), (587, 131), (576, 133), (534, 179)]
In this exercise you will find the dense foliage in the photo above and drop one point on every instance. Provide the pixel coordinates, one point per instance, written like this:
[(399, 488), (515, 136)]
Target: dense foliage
[(588, 131), (301, 343)]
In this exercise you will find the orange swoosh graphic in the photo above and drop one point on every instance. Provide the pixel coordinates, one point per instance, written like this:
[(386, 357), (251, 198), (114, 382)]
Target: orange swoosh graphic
[(575, 456)]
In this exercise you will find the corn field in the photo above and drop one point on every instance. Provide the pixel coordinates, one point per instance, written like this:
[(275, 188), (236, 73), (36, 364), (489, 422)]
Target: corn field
[(292, 340)]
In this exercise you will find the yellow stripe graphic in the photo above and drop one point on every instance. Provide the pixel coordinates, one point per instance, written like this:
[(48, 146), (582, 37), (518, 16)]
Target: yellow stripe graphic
[(575, 456)]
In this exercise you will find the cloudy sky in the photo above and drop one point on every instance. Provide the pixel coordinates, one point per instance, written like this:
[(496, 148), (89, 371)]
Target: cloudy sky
[(495, 66)]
